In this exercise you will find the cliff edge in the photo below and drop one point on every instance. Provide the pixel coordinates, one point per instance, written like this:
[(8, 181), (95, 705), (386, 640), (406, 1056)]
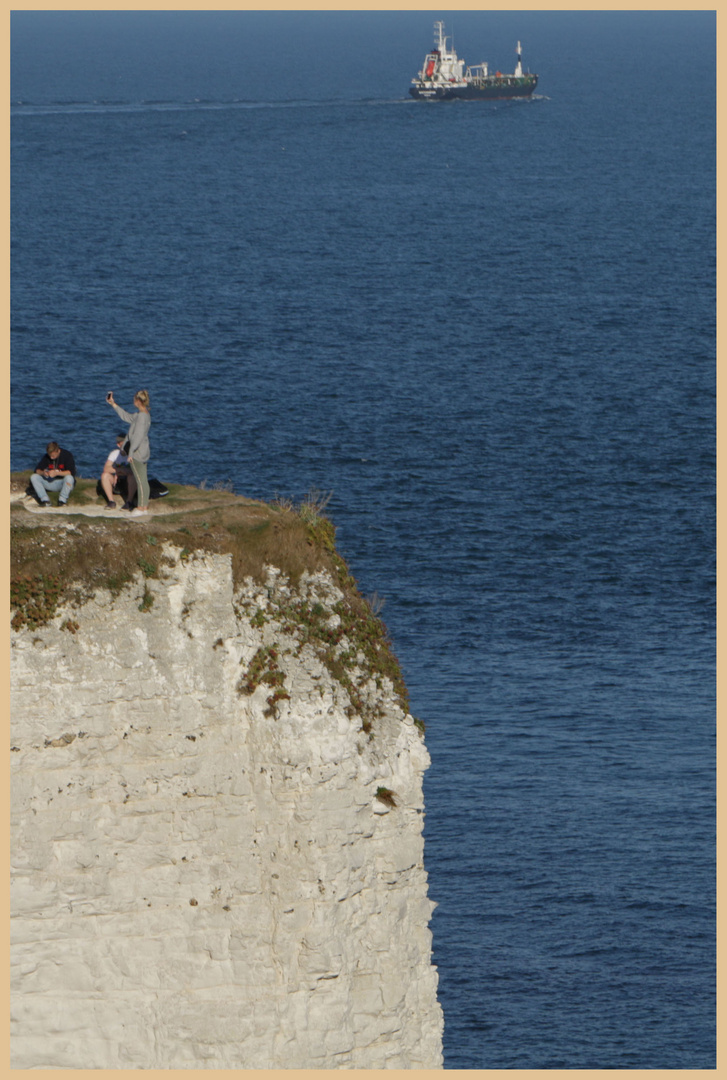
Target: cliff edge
[(217, 812)]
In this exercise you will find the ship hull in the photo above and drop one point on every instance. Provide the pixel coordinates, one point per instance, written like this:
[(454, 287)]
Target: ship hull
[(490, 90)]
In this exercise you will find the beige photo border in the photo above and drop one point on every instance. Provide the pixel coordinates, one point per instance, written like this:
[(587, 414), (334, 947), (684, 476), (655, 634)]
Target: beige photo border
[(464, 5)]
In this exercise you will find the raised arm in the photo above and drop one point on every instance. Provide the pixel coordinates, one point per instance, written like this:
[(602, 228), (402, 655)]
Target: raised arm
[(128, 417)]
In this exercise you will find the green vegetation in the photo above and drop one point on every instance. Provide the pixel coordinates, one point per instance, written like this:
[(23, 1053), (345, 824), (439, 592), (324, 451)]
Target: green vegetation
[(348, 639), (147, 568), (34, 599), (264, 669)]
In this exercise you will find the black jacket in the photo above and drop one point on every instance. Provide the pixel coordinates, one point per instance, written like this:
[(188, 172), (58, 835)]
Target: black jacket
[(64, 461)]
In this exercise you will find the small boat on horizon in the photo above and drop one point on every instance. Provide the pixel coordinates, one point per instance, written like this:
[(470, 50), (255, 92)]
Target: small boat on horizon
[(443, 76)]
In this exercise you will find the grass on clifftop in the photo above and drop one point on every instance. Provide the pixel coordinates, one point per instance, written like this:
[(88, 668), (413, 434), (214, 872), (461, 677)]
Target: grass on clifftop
[(58, 556), (109, 551)]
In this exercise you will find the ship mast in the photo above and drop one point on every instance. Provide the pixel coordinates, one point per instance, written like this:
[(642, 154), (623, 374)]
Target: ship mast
[(519, 66)]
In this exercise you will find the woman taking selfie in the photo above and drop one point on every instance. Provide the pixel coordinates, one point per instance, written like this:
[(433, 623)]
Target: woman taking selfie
[(138, 455)]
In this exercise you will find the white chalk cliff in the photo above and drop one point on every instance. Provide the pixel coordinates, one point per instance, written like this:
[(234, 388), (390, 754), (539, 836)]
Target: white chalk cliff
[(207, 868)]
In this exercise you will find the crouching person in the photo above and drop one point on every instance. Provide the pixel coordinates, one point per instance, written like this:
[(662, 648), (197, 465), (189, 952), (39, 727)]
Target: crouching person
[(115, 468), (56, 471)]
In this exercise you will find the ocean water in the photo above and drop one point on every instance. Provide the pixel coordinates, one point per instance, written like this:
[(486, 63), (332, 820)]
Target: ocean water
[(489, 330)]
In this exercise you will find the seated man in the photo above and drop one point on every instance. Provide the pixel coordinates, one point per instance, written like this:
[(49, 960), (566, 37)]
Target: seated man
[(56, 471), (116, 467)]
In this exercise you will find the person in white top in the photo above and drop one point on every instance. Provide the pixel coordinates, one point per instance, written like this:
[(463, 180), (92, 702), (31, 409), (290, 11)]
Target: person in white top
[(116, 465)]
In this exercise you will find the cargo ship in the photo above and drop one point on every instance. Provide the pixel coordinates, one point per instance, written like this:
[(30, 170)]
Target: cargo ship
[(444, 77)]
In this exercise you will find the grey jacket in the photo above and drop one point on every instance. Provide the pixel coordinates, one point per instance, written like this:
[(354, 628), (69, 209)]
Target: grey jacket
[(139, 424)]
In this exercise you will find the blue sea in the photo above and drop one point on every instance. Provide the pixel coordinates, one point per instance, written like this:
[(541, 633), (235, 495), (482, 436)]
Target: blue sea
[(489, 330)]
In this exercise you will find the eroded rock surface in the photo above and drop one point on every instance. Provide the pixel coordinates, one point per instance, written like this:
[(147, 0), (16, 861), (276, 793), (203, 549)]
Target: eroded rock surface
[(200, 878)]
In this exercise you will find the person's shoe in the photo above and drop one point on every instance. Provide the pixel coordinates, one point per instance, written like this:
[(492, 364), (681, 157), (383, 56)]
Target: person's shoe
[(47, 504), (126, 506), (62, 505), (138, 512), (110, 505)]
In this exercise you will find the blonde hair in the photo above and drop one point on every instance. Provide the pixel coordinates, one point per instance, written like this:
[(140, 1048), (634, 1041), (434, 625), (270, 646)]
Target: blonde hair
[(143, 398)]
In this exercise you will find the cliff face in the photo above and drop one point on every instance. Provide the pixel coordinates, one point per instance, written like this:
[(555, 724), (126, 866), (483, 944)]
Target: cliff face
[(204, 875)]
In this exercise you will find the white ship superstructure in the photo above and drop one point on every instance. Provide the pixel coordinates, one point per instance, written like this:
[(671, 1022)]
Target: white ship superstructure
[(442, 67)]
